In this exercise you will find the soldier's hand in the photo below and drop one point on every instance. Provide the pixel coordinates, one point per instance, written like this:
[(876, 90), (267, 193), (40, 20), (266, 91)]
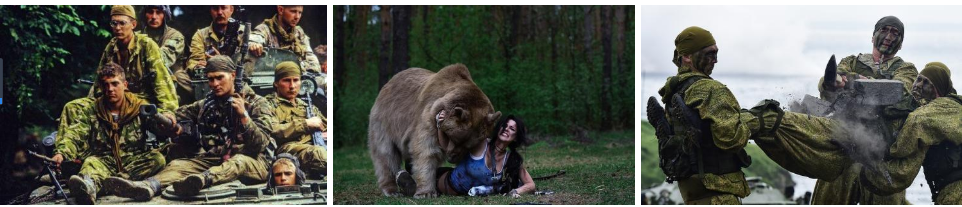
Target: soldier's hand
[(239, 107), (840, 81), (57, 158), (314, 123), (256, 49)]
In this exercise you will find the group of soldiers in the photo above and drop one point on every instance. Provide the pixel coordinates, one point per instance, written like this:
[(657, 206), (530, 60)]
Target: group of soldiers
[(703, 132), (232, 134)]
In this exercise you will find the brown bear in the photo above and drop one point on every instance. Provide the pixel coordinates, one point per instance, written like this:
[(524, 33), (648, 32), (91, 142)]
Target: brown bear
[(403, 124)]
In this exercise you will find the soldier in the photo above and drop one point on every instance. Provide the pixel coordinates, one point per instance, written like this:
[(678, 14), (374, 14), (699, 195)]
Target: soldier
[(114, 142), (880, 64), (170, 40), (234, 130), (146, 74), (220, 38), (930, 139), (282, 32), (286, 171), (292, 128), (721, 181)]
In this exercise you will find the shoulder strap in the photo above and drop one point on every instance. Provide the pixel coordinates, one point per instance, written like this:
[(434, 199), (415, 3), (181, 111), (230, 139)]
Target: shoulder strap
[(681, 88)]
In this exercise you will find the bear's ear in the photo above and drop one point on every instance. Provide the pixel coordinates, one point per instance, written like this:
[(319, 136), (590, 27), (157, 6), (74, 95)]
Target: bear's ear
[(459, 112), (493, 117)]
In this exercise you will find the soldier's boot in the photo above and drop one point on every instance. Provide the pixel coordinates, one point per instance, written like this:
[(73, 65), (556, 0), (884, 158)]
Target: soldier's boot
[(406, 183), (192, 184), (657, 118), (82, 189), (137, 190)]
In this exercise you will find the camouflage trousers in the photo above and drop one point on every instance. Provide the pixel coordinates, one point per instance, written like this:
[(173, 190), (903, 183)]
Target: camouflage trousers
[(239, 167), (313, 158), (722, 199), (847, 190), (950, 195), (135, 166)]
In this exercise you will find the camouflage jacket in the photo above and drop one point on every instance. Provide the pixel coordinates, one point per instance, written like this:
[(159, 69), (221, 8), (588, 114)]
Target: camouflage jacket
[(289, 121), (730, 128), (930, 125), (205, 38), (171, 44), (144, 58), (263, 35), (254, 136), (89, 137)]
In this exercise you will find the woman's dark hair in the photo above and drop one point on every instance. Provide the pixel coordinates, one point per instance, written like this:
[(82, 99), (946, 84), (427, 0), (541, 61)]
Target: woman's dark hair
[(521, 135)]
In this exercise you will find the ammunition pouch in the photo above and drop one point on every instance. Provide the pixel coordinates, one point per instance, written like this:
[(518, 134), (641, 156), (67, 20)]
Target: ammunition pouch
[(689, 148), (943, 166)]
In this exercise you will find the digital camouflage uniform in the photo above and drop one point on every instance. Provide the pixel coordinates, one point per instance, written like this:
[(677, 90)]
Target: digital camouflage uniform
[(846, 188), (248, 161), (90, 140), (933, 124), (730, 129), (294, 137), (145, 56), (270, 35)]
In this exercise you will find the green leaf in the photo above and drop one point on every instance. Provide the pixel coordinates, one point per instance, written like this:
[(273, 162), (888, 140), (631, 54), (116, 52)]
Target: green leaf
[(75, 31), (13, 33)]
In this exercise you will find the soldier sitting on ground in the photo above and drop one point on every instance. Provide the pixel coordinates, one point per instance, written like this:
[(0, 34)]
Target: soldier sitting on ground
[(292, 129)]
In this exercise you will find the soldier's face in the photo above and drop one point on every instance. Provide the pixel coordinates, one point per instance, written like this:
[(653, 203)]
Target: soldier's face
[(114, 87), (122, 27), (284, 174), (886, 39), (923, 90), (288, 87), (221, 83), (704, 60), (155, 18), (221, 13), (290, 15)]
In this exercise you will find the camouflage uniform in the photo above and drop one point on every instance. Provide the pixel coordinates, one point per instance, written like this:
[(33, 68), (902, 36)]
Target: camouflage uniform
[(730, 129), (845, 188), (293, 136), (270, 38), (127, 157), (248, 159), (171, 44), (145, 57), (926, 129), (203, 39)]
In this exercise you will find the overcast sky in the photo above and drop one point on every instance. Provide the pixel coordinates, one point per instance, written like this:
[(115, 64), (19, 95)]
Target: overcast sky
[(797, 40)]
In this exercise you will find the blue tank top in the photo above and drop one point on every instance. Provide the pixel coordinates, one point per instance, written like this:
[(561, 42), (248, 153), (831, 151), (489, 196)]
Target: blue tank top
[(471, 172)]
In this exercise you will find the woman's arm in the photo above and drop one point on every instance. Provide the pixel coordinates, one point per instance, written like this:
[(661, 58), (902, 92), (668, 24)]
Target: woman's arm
[(527, 187)]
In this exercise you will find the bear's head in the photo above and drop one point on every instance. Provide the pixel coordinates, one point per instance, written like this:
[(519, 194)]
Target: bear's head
[(468, 122)]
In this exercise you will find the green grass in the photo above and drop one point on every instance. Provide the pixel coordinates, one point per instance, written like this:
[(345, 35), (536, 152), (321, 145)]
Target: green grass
[(598, 173)]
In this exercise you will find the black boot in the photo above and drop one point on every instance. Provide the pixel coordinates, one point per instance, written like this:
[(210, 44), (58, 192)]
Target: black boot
[(657, 118), (192, 184), (82, 189), (137, 190)]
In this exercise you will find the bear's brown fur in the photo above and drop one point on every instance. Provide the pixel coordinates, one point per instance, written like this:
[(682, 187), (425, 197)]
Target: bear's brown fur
[(402, 124)]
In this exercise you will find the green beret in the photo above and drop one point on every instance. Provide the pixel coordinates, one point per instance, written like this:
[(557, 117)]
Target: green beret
[(125, 10), (220, 63), (940, 76), (286, 69), (693, 39)]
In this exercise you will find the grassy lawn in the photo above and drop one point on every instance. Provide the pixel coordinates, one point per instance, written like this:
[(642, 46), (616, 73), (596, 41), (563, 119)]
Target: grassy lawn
[(601, 172)]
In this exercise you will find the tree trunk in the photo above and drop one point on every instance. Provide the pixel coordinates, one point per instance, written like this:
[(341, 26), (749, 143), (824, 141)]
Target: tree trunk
[(606, 68), (402, 27), (339, 30), (384, 65)]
